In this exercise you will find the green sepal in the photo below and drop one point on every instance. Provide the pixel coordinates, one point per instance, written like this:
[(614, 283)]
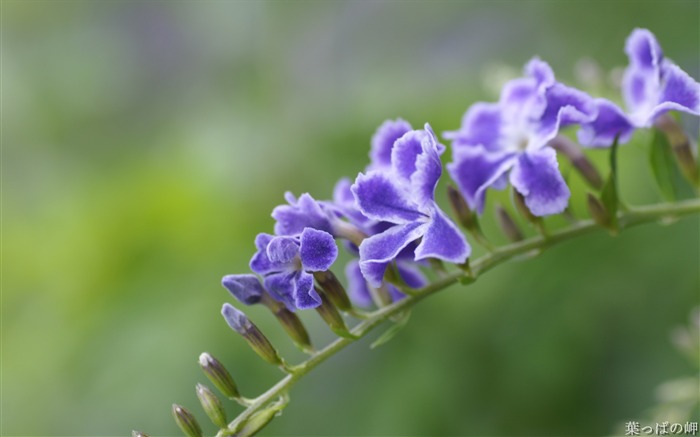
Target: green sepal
[(392, 331), (663, 166), (608, 194)]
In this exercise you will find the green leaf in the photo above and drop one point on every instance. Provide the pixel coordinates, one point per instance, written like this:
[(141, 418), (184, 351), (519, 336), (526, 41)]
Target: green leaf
[(392, 331), (663, 166), (608, 194)]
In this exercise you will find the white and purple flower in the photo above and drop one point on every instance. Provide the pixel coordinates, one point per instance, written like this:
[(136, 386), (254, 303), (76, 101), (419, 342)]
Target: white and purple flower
[(510, 138), (287, 265), (651, 86), (404, 196)]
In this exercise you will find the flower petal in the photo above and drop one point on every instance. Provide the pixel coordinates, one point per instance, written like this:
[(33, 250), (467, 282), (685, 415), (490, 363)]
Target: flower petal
[(305, 212), (536, 176), (405, 152), (379, 197), (260, 263), (380, 249), (281, 287), (305, 296), (474, 171), (318, 250), (358, 290), (428, 172), (610, 122), (565, 106), (383, 142), (443, 240), (411, 274), (481, 125), (680, 93), (282, 250), (643, 50), (246, 288)]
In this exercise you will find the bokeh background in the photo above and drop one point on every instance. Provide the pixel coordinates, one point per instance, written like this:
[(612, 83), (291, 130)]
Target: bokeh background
[(144, 145)]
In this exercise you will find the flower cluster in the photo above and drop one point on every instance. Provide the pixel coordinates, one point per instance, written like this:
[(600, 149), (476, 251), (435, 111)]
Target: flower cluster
[(388, 219), (392, 228)]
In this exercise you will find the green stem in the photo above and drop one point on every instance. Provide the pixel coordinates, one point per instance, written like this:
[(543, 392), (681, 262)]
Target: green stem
[(631, 217)]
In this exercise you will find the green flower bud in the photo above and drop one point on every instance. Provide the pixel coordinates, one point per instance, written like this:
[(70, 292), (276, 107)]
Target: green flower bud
[(580, 162), (334, 289), (212, 406), (292, 326), (186, 421), (507, 224), (464, 214), (332, 317), (218, 375), (598, 212)]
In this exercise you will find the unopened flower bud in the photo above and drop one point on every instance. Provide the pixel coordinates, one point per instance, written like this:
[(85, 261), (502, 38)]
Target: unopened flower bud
[(218, 375), (519, 202), (212, 406), (464, 214), (507, 224), (294, 328), (335, 291), (246, 288), (186, 421), (682, 148), (579, 160), (256, 339), (135, 433), (332, 317), (599, 213)]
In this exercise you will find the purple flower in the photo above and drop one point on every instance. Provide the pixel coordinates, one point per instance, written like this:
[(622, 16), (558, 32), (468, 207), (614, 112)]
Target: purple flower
[(652, 85), (512, 136), (286, 262), (404, 196)]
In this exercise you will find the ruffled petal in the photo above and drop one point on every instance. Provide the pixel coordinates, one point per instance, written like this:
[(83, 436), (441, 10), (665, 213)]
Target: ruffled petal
[(680, 93), (405, 152), (383, 142), (301, 213), (378, 250), (282, 250), (379, 197), (536, 176), (260, 263), (318, 250), (281, 287), (246, 288), (565, 106), (443, 240), (358, 290), (481, 126), (610, 122), (643, 50), (474, 172), (305, 296), (428, 172)]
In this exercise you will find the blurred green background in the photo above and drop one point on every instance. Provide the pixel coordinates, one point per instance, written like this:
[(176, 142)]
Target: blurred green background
[(144, 145)]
